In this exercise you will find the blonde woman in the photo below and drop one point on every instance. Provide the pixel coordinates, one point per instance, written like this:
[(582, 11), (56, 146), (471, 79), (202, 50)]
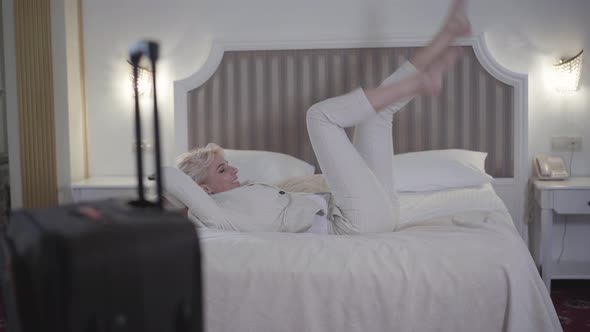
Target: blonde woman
[(359, 174)]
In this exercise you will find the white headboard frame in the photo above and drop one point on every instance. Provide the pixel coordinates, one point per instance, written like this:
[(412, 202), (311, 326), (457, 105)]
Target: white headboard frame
[(511, 190)]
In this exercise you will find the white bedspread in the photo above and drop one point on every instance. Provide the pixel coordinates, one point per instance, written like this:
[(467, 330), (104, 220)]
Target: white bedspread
[(456, 264)]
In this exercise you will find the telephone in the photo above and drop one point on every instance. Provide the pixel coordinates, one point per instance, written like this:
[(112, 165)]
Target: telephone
[(550, 168)]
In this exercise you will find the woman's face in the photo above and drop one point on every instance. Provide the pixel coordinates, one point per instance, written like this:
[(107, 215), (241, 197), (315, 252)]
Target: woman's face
[(220, 176)]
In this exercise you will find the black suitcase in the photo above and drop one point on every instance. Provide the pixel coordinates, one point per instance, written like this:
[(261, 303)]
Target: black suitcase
[(105, 266), (111, 265)]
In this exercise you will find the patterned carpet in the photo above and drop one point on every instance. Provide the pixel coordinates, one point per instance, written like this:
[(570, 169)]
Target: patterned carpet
[(572, 303)]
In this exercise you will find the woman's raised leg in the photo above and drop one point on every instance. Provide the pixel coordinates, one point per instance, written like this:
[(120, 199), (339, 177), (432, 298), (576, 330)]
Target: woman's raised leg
[(360, 176), (379, 127), (379, 157), (365, 204)]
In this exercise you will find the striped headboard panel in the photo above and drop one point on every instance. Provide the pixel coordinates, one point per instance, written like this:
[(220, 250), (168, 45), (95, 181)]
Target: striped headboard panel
[(257, 100)]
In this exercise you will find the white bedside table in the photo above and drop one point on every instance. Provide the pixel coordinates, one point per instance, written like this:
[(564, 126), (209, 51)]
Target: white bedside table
[(97, 188), (555, 199)]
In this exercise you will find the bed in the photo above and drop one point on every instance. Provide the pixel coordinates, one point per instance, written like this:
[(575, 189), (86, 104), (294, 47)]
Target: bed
[(457, 263)]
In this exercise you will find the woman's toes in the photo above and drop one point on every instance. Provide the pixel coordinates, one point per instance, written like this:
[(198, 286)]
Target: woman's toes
[(458, 23)]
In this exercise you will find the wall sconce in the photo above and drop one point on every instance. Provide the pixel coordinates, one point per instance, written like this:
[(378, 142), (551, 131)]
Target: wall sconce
[(567, 74), (144, 80)]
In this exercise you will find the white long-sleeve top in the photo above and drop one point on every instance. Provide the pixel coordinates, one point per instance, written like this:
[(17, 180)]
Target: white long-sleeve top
[(258, 207)]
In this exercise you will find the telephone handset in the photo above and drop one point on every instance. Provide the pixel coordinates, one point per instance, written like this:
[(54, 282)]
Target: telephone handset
[(550, 168)]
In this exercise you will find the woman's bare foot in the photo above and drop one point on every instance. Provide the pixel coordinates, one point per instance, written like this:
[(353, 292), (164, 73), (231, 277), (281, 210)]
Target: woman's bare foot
[(432, 78), (426, 82), (457, 23)]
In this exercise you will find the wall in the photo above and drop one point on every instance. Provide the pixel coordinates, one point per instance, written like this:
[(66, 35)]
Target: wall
[(550, 31), (525, 36), (531, 37), (68, 96)]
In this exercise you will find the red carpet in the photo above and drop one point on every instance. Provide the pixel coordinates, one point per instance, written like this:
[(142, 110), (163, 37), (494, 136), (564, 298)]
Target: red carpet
[(572, 303)]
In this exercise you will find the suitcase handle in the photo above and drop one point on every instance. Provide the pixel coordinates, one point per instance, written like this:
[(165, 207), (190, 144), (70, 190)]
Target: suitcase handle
[(136, 52)]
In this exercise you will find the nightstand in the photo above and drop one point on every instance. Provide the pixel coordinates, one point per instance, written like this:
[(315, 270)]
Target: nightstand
[(554, 199), (97, 188)]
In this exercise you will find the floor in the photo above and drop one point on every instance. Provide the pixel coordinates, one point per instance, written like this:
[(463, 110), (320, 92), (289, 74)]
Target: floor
[(572, 303), (571, 300)]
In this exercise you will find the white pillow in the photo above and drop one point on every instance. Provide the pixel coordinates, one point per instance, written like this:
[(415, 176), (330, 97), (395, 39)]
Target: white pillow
[(439, 169), (265, 166)]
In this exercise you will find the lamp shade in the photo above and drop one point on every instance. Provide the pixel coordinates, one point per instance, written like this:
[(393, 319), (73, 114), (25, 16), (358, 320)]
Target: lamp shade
[(567, 74)]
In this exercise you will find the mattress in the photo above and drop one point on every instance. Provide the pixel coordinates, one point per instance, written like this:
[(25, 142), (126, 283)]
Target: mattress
[(456, 263)]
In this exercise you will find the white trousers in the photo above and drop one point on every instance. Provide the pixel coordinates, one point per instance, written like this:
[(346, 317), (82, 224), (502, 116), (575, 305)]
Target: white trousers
[(359, 173)]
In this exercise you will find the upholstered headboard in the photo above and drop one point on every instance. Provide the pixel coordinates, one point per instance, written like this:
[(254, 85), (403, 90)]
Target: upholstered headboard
[(256, 99)]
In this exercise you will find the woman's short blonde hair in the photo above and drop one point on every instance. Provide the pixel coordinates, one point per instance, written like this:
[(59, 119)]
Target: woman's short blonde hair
[(195, 162)]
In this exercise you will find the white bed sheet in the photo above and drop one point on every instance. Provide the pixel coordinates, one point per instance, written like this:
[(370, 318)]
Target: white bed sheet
[(456, 264)]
